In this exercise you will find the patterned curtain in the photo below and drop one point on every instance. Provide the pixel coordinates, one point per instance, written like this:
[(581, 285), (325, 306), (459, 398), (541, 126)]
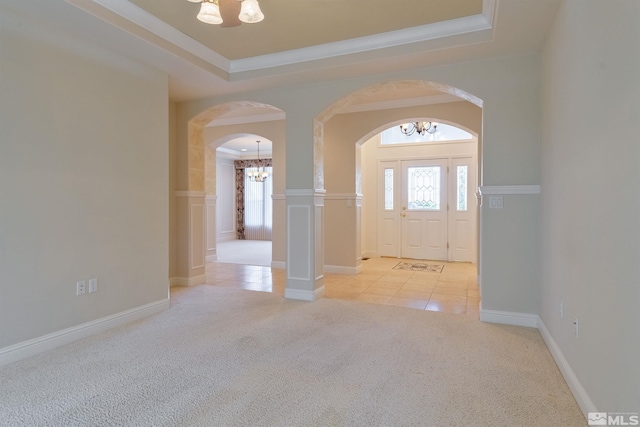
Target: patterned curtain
[(240, 166)]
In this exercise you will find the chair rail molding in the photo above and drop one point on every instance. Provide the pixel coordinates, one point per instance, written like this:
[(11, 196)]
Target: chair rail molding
[(486, 190)]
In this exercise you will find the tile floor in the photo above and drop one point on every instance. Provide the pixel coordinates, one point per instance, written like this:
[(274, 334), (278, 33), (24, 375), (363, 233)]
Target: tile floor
[(454, 290)]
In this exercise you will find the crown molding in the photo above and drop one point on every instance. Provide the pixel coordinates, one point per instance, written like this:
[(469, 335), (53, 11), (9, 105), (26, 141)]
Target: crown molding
[(111, 10), (389, 39), (136, 21), (508, 189), (401, 103)]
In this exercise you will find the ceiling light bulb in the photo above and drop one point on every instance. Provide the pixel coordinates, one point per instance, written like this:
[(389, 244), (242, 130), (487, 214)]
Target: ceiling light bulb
[(250, 12), (210, 12)]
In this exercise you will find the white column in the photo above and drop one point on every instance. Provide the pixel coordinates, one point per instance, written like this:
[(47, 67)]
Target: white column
[(191, 225), (305, 248), (210, 228)]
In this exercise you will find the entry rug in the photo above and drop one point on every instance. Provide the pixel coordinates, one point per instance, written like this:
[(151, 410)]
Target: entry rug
[(436, 268)]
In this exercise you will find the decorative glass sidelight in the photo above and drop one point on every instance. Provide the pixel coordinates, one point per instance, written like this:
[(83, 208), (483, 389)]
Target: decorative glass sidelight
[(388, 189), (423, 188), (461, 173)]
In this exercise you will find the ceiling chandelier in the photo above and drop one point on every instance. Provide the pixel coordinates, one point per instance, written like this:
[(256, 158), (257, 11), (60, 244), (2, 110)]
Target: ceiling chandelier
[(421, 127), (259, 175), (210, 10)]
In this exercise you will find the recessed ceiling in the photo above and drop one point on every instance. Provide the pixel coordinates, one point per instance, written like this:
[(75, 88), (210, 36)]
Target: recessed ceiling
[(299, 41), (298, 24), (245, 146)]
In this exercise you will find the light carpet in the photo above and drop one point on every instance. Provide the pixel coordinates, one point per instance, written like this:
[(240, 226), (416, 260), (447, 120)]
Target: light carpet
[(227, 357)]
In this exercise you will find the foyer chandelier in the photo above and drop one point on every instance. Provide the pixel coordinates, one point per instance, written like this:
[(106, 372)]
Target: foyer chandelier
[(259, 175), (422, 128), (250, 12)]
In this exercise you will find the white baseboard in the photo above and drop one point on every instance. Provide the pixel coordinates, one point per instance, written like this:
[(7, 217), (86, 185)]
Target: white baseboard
[(227, 236), (303, 295), (534, 321), (340, 269), (48, 342), (370, 254), (579, 393), (278, 264), (508, 318), (187, 281)]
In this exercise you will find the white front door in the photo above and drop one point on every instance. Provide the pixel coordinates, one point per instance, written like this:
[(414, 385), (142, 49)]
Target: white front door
[(427, 209), (424, 209)]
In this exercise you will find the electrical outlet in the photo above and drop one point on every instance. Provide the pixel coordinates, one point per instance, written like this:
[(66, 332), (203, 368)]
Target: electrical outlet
[(93, 285), (80, 287), (561, 309), (575, 326)]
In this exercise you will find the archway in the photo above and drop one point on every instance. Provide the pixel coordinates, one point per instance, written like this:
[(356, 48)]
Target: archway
[(196, 206), (440, 224), (341, 125), (244, 207)]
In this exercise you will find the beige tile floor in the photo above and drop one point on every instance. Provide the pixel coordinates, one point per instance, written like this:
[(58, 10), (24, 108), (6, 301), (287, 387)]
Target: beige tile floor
[(454, 290)]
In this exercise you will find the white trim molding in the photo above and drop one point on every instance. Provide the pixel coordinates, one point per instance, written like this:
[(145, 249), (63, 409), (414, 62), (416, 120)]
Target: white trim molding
[(188, 281), (579, 393), (304, 295), (391, 39), (300, 192), (48, 342), (193, 249), (341, 269), (534, 321), (135, 20), (487, 190), (279, 264), (508, 318), (304, 211), (369, 254), (186, 193), (343, 196)]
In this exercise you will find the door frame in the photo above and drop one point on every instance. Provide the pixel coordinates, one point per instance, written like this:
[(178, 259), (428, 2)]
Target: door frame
[(389, 220)]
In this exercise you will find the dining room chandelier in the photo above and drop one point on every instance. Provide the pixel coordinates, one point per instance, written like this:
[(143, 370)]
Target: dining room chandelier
[(260, 174), (250, 12), (422, 128)]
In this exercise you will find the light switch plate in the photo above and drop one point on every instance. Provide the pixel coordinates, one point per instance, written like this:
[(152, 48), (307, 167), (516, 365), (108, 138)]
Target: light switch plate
[(496, 202)]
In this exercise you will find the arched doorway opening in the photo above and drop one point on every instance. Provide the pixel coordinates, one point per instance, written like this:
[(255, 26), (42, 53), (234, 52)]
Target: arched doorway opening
[(354, 120), (418, 193), (197, 206), (244, 205)]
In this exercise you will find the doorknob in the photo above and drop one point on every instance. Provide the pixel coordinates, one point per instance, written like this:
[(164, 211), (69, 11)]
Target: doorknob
[(404, 208), (404, 214)]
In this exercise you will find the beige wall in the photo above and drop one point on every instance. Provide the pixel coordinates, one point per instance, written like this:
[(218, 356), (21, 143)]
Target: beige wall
[(591, 197), (83, 185)]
